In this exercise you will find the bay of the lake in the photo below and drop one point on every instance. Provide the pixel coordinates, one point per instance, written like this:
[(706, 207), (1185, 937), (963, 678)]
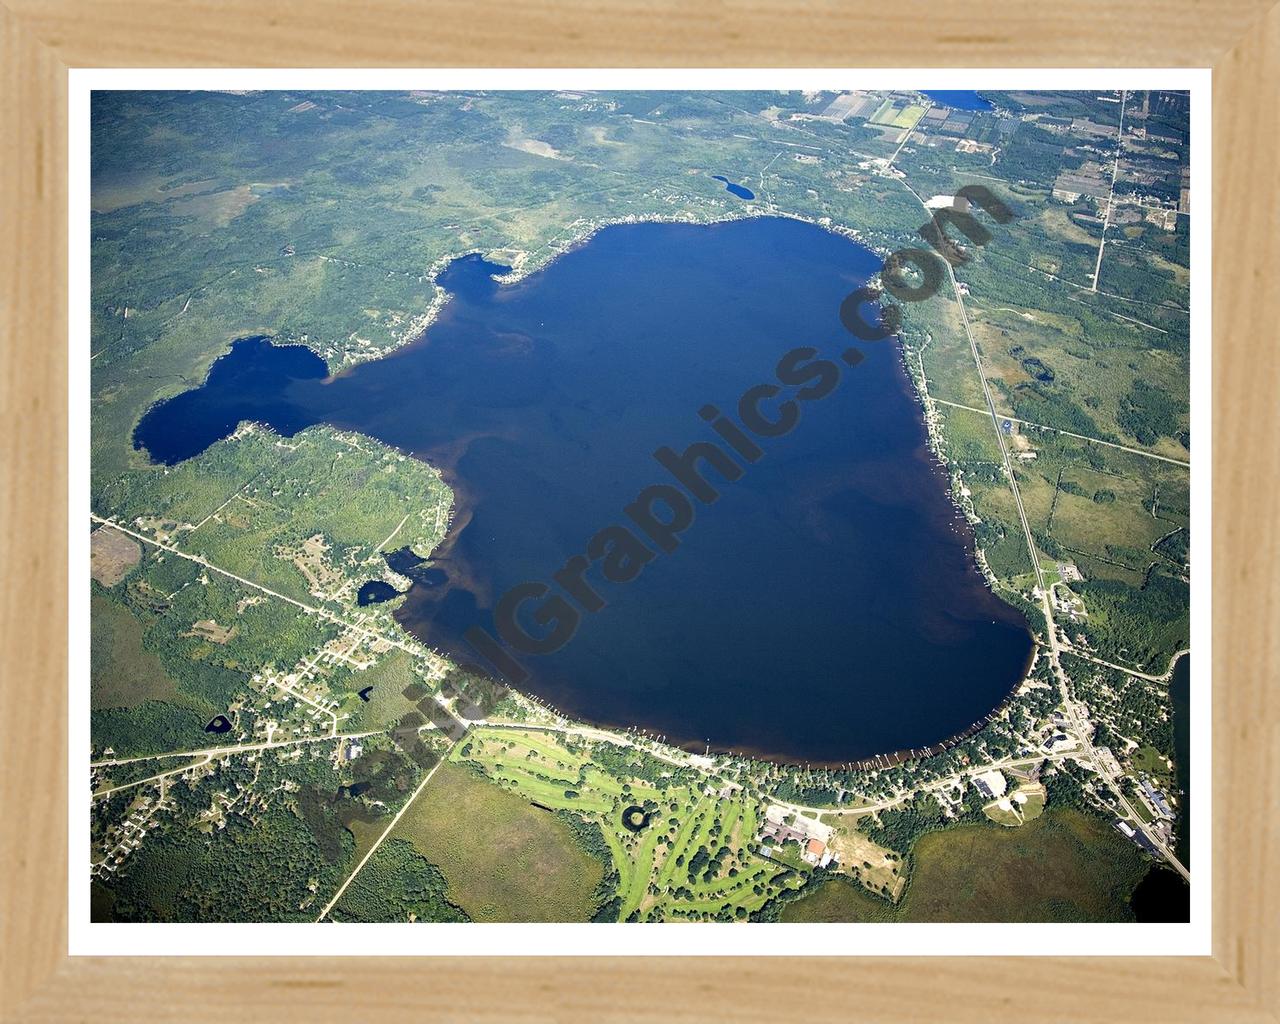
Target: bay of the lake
[(824, 609)]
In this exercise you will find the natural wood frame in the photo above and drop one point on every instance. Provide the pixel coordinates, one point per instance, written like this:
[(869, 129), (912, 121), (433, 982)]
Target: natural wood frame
[(41, 39)]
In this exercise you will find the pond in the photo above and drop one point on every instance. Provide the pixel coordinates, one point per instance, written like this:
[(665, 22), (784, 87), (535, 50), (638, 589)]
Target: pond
[(958, 99), (741, 191), (375, 592)]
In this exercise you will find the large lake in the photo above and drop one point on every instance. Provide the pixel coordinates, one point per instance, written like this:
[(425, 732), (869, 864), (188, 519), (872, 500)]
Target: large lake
[(826, 608)]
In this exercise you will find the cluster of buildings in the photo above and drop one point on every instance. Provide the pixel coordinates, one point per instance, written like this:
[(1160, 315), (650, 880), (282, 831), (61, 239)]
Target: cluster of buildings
[(1056, 735), (127, 838), (1138, 836), (1155, 800), (1161, 824), (811, 836)]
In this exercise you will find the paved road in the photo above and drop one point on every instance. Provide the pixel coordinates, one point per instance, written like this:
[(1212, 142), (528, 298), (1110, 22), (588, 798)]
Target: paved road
[(152, 778), (378, 842), (1067, 433), (1077, 729), (323, 613), (238, 748), (1115, 173), (1168, 673)]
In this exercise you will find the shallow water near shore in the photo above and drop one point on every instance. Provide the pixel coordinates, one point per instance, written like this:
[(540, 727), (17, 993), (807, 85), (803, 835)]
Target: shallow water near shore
[(824, 609)]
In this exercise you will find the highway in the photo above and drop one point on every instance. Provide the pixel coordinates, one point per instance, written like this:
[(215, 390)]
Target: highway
[(1070, 708)]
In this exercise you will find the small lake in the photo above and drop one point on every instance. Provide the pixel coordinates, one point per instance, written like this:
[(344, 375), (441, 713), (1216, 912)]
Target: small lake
[(741, 191), (958, 99), (825, 608), (375, 592)]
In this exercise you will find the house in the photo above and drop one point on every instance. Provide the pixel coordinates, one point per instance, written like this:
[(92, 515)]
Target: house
[(814, 850)]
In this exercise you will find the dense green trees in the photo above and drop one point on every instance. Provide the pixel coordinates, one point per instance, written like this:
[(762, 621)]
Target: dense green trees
[(397, 884), (1143, 627), (1149, 413)]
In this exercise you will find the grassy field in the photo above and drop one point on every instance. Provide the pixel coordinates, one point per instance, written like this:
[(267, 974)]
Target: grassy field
[(838, 900), (1062, 866), (250, 502), (503, 859), (123, 673), (1021, 805), (387, 703)]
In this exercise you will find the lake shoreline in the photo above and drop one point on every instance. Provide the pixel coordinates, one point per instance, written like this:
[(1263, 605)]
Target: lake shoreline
[(521, 270)]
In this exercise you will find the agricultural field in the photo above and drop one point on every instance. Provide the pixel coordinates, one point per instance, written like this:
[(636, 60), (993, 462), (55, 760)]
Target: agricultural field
[(1062, 866), (502, 858), (897, 114)]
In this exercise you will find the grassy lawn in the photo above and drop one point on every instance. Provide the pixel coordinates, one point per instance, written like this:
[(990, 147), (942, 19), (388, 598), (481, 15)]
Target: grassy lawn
[(1148, 759), (675, 855), (503, 859), (1024, 804), (1001, 816)]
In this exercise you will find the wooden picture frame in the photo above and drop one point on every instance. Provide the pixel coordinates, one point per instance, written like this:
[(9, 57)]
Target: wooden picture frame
[(42, 39)]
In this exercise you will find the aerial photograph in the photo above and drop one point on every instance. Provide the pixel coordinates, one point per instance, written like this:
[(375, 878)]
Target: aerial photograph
[(639, 507)]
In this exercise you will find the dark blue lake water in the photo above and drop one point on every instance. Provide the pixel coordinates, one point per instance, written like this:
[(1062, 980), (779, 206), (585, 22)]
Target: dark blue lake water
[(247, 384), (824, 609), (959, 99), (741, 191), (375, 592)]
